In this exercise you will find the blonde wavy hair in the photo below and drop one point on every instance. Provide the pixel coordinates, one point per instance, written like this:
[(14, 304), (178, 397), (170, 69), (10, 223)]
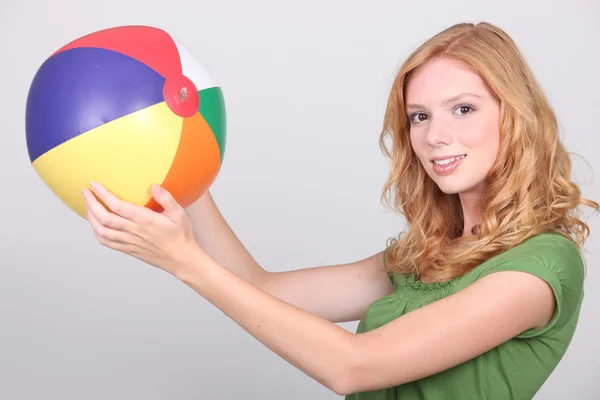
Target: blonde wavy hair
[(529, 187)]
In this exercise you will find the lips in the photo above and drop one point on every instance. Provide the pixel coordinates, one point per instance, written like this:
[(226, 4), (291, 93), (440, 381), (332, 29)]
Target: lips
[(439, 158), (448, 166)]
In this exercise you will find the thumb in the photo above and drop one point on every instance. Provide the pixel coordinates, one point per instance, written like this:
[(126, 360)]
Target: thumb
[(165, 199)]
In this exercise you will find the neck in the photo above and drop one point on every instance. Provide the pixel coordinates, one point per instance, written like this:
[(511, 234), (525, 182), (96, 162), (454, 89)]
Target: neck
[(471, 214)]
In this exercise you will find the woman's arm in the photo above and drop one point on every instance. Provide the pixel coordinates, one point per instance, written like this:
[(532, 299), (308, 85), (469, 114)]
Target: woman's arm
[(219, 241), (338, 293), (429, 340)]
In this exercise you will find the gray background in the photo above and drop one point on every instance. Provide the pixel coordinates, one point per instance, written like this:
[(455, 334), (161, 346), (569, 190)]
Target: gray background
[(306, 85)]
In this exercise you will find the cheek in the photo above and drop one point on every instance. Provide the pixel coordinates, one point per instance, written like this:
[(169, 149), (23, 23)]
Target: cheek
[(482, 136), (419, 145)]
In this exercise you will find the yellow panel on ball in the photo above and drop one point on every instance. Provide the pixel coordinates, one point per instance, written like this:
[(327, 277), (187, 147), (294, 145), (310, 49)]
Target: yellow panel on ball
[(127, 155)]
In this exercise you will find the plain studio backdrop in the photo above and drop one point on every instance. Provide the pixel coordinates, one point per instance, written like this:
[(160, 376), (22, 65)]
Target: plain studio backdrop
[(305, 85)]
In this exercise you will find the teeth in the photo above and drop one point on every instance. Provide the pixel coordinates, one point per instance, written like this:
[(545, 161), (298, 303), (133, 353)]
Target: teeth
[(448, 160)]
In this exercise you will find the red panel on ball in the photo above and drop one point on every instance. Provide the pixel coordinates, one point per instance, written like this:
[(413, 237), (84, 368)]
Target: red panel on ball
[(151, 46)]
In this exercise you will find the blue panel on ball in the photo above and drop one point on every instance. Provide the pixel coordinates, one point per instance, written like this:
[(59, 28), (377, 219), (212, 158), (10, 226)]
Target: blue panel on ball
[(80, 89)]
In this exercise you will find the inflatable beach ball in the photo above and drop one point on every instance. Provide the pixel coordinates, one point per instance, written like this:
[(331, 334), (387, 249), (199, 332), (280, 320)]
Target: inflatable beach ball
[(126, 107)]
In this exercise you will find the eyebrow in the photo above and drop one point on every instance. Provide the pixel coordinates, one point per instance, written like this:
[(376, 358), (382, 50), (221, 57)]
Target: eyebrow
[(450, 100)]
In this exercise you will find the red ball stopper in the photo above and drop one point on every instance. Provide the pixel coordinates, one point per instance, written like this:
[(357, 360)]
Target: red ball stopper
[(181, 96)]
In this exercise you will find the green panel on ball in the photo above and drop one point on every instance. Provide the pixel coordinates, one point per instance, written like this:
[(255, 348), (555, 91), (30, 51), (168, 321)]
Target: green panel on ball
[(212, 108)]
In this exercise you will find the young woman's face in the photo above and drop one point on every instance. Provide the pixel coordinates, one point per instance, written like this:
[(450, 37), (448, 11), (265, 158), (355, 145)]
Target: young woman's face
[(454, 125)]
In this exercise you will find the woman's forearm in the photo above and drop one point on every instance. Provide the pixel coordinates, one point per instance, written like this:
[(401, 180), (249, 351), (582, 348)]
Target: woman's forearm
[(314, 345), (218, 240)]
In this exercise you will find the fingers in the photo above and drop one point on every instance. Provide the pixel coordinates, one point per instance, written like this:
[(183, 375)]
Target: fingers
[(103, 216), (122, 208), (107, 235)]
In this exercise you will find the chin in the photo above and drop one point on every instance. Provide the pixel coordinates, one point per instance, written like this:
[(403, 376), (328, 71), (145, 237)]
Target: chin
[(450, 189), (454, 186)]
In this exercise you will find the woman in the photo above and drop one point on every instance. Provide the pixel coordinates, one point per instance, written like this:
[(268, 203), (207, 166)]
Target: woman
[(479, 298)]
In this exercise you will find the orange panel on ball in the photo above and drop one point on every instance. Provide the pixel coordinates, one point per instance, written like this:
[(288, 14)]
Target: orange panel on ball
[(196, 163)]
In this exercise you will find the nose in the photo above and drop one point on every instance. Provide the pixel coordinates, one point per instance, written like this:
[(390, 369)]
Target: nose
[(438, 133)]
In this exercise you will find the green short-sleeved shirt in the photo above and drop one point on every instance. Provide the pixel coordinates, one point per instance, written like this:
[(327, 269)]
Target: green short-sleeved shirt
[(514, 370)]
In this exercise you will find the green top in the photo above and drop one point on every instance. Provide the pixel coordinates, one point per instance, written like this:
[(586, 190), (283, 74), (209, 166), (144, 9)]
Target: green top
[(517, 368)]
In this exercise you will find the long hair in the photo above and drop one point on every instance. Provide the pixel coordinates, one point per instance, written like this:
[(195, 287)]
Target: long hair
[(528, 190)]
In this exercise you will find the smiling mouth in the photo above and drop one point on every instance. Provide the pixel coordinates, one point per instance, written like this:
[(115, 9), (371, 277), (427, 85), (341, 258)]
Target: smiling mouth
[(449, 160)]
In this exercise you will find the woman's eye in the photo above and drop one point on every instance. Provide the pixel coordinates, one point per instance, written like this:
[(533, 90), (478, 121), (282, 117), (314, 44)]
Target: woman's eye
[(418, 117), (464, 109)]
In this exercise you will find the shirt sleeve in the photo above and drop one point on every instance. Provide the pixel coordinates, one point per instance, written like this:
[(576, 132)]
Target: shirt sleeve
[(556, 260)]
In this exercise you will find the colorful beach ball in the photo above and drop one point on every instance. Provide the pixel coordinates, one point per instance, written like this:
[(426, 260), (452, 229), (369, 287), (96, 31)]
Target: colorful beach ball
[(128, 107)]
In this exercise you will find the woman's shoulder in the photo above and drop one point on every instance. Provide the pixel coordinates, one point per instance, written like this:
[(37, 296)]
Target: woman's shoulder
[(552, 257), (549, 248), (548, 254)]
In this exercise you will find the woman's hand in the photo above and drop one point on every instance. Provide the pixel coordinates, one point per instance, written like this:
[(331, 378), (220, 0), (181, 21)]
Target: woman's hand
[(163, 239)]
